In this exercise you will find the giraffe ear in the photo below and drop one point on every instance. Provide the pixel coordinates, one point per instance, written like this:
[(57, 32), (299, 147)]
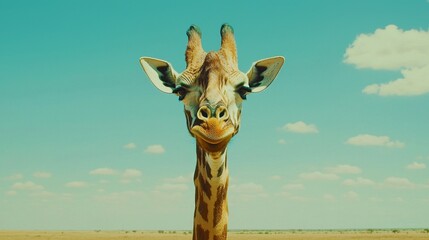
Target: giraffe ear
[(263, 72), (160, 72)]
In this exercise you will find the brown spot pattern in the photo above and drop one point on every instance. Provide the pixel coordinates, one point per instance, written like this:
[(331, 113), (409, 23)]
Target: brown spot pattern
[(209, 171), (219, 204), (200, 157), (220, 170), (206, 187), (203, 208), (223, 235), (202, 234)]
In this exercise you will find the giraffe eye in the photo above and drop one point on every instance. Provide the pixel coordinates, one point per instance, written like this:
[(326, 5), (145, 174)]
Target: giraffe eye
[(243, 91), (181, 92)]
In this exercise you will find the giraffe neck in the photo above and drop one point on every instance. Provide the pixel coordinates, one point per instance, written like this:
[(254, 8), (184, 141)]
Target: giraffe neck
[(211, 185)]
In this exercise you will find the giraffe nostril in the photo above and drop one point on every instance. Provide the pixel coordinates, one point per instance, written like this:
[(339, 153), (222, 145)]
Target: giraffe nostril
[(203, 113), (222, 113)]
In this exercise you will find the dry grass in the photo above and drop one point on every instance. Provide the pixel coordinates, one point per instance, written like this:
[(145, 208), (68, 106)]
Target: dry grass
[(234, 235)]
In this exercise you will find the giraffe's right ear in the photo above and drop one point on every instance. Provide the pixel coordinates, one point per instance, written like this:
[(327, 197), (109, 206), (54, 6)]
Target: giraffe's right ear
[(160, 72), (263, 72)]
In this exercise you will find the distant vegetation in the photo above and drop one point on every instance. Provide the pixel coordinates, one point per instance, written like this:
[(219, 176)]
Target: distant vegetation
[(290, 231), (261, 234)]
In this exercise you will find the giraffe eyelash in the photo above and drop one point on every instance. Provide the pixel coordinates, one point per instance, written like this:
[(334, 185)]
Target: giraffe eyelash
[(181, 92)]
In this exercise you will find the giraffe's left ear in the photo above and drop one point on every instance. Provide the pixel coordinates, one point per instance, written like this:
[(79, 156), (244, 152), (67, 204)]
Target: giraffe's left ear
[(263, 72), (160, 73)]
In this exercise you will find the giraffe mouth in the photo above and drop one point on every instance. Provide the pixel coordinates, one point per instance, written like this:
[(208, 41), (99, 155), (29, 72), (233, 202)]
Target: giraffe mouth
[(213, 134)]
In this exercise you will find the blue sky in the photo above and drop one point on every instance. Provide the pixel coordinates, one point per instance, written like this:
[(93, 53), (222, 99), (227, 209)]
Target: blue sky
[(339, 140)]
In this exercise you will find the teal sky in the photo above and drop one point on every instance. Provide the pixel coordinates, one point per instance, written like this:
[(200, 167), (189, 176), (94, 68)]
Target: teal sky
[(339, 140)]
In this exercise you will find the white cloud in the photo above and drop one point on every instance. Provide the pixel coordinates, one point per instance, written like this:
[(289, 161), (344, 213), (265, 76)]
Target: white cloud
[(127, 176), (371, 140), (27, 186), (44, 194), (276, 177), (397, 182), (173, 187), (15, 177), (300, 127), (293, 197), (42, 175), (416, 165), (329, 197), (132, 173), (246, 192), (392, 48), (103, 171), (358, 182), (76, 184), (155, 149), (422, 158), (293, 186), (130, 145), (415, 81), (344, 169), (318, 176), (282, 141), (248, 188), (389, 49), (351, 196), (179, 179), (10, 193)]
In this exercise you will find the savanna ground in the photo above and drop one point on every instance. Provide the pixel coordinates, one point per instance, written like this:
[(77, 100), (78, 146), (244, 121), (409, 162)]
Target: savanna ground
[(387, 234)]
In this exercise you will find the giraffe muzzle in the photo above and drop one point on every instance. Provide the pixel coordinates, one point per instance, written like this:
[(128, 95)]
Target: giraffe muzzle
[(215, 130)]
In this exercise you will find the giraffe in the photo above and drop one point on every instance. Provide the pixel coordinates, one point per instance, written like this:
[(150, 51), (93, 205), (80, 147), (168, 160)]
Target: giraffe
[(212, 89)]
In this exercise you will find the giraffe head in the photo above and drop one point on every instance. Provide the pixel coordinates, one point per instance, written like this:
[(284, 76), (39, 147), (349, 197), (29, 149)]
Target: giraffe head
[(212, 88)]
